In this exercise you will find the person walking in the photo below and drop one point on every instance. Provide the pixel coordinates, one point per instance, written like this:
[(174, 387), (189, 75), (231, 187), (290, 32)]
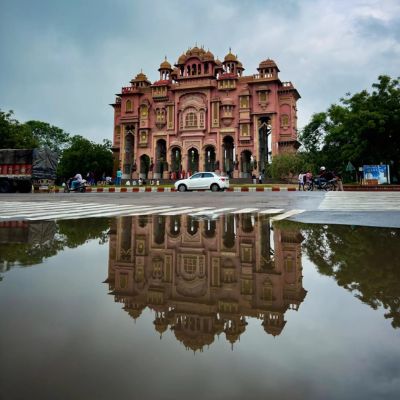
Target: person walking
[(118, 177)]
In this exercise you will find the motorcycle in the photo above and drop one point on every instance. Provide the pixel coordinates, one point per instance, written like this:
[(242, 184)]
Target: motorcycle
[(321, 184), (80, 188)]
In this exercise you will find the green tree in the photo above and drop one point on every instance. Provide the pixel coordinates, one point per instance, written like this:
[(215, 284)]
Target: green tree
[(364, 129), (287, 166), (14, 135), (48, 135), (85, 156)]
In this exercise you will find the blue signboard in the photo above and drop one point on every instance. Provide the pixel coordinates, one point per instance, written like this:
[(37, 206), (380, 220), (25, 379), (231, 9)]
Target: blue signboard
[(378, 172)]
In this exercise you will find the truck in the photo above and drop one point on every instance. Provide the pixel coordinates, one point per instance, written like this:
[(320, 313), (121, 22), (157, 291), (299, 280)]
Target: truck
[(24, 169), (25, 243)]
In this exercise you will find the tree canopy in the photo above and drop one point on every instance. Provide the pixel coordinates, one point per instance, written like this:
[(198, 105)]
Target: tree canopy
[(85, 156), (288, 166), (48, 135), (14, 135), (362, 260), (77, 154), (364, 129), (31, 134)]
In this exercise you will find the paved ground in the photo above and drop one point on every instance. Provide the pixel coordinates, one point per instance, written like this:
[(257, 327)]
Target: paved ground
[(354, 208)]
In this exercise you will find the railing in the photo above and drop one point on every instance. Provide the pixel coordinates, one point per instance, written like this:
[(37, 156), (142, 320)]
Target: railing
[(128, 89), (262, 76)]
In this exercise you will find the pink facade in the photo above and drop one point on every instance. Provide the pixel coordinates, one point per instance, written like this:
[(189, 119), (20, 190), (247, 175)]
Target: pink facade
[(204, 115)]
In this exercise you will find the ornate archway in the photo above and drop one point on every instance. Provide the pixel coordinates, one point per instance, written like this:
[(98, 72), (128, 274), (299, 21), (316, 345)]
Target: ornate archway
[(176, 160), (129, 144), (193, 160), (161, 159), (246, 164), (144, 166), (209, 158), (228, 155), (264, 132)]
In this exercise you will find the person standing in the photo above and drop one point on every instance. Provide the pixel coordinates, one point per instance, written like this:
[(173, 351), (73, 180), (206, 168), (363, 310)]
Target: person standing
[(260, 178), (118, 177), (308, 180), (339, 182), (301, 180)]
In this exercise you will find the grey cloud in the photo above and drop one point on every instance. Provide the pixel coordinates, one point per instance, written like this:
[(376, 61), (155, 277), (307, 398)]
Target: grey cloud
[(64, 61)]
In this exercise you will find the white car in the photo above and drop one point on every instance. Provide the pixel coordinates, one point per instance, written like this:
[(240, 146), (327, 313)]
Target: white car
[(203, 180)]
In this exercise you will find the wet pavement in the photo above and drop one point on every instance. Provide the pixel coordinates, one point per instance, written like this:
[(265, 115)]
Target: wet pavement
[(188, 307), (377, 209)]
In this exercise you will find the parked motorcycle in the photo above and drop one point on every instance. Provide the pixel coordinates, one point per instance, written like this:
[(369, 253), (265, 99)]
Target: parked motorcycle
[(321, 184)]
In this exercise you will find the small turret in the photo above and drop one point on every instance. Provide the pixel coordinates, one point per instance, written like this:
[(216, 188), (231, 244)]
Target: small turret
[(268, 69), (165, 70)]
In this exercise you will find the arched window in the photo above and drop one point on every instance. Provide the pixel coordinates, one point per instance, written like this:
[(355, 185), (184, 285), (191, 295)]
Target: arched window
[(160, 116), (128, 106), (285, 120), (144, 111), (289, 264), (202, 119), (244, 102), (191, 120), (262, 96)]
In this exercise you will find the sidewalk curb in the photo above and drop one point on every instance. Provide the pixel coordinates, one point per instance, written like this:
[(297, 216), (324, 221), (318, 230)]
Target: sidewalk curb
[(248, 189), (155, 189)]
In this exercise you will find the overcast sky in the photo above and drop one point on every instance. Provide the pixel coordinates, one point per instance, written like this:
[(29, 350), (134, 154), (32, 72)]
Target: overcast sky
[(62, 61)]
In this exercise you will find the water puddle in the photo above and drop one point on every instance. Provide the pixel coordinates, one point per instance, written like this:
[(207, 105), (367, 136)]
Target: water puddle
[(180, 306)]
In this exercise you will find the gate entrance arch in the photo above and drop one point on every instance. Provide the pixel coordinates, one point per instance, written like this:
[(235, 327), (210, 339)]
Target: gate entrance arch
[(264, 140)]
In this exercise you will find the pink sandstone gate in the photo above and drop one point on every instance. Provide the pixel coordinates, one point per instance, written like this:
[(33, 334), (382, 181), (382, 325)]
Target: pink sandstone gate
[(204, 114)]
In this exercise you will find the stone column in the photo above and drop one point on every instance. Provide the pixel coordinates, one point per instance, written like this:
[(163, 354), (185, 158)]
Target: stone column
[(135, 174)]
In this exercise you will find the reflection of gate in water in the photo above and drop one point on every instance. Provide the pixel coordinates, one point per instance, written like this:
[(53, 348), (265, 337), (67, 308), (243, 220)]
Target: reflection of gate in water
[(177, 258)]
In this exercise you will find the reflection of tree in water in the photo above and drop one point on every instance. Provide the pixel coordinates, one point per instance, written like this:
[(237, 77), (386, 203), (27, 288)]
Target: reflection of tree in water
[(78, 231), (25, 243), (363, 260)]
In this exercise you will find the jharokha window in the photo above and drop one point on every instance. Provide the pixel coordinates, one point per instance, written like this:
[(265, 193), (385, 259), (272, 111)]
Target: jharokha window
[(244, 102), (144, 111), (285, 120), (262, 96), (128, 106), (191, 120), (190, 264)]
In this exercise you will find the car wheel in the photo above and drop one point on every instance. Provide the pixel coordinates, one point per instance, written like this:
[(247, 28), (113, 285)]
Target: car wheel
[(182, 188), (24, 187), (214, 187), (5, 187)]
